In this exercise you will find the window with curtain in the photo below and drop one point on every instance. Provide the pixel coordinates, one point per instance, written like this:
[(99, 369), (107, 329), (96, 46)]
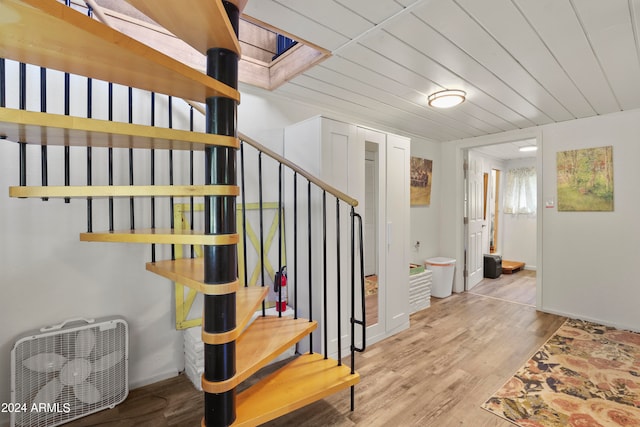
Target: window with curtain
[(520, 191)]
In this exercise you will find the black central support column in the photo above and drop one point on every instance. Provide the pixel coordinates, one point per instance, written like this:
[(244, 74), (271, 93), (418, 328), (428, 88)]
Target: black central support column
[(220, 262)]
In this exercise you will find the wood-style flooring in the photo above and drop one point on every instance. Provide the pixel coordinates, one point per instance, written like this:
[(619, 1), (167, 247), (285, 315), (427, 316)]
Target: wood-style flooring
[(437, 373), (517, 287)]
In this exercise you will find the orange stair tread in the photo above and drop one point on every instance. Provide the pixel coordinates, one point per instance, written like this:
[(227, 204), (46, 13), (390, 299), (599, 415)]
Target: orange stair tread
[(264, 340), (305, 380), (160, 236), (38, 128), (190, 272), (94, 191), (202, 25), (52, 35)]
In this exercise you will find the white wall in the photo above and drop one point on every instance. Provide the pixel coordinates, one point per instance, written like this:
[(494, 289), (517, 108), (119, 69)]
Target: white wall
[(519, 231), (589, 258), (586, 259), (425, 220)]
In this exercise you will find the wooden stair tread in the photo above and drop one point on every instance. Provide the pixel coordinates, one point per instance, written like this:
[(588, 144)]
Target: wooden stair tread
[(202, 25), (265, 339), (54, 129), (305, 380), (52, 35), (160, 236), (124, 191), (190, 272)]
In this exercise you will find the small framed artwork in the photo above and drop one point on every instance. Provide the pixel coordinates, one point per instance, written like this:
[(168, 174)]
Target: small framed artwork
[(421, 178), (585, 180)]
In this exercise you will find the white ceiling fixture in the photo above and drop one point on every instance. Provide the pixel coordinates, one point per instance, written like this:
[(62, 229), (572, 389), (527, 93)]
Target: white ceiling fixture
[(447, 98), (528, 148)]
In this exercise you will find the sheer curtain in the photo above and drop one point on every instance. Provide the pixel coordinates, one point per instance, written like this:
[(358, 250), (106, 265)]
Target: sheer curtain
[(520, 191)]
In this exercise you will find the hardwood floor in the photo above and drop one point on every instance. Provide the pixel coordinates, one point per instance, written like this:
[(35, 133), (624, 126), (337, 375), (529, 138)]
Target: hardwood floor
[(437, 373), (517, 287)]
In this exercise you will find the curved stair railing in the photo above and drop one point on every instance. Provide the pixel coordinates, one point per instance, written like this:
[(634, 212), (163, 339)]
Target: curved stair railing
[(43, 33)]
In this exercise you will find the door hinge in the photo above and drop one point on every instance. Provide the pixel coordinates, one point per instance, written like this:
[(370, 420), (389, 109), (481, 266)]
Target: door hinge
[(465, 221), (465, 273)]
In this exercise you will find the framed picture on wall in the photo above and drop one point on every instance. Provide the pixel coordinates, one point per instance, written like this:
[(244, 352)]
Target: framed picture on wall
[(585, 180), (421, 178)]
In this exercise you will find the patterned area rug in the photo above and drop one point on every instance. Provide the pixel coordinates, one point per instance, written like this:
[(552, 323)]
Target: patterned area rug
[(585, 375)]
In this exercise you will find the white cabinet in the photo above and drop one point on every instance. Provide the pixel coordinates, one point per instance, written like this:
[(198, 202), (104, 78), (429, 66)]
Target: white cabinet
[(335, 152)]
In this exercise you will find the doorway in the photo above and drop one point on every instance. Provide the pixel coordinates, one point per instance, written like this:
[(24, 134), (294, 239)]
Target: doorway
[(493, 225)]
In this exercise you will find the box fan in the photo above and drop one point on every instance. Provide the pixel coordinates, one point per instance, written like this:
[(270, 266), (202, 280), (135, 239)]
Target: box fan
[(66, 371)]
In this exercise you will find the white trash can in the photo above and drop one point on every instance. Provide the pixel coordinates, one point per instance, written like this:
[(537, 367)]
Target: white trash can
[(442, 279)]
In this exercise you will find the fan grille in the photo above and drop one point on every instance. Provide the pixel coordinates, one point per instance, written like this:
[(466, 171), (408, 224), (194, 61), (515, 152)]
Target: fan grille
[(61, 406)]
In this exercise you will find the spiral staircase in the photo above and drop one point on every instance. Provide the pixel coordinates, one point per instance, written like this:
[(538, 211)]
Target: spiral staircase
[(50, 34)]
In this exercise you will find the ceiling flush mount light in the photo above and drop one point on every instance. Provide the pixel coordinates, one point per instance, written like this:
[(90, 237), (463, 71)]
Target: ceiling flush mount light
[(447, 98), (528, 148)]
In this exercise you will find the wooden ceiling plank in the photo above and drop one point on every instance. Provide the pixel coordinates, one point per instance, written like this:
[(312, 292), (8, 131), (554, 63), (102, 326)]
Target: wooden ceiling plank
[(558, 26), (488, 109), (520, 47), (335, 16), (414, 99), (373, 11), (481, 86), (292, 22), (515, 87), (357, 112), (610, 32)]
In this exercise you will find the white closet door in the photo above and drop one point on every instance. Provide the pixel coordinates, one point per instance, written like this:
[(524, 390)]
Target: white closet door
[(397, 232)]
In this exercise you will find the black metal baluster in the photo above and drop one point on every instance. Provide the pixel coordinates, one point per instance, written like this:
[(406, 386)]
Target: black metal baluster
[(171, 207), (3, 84), (89, 154), (191, 182), (353, 305), (310, 263), (244, 216), (132, 217), (338, 281), (363, 321), (280, 310), (325, 293), (22, 75), (67, 149), (89, 199), (110, 153), (261, 226), (43, 148), (295, 245), (23, 106), (153, 176)]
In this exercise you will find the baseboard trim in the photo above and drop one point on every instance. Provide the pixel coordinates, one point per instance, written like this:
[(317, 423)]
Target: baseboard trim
[(590, 319)]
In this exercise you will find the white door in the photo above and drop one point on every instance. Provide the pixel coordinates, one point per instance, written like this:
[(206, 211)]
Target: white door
[(477, 225), (397, 238)]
